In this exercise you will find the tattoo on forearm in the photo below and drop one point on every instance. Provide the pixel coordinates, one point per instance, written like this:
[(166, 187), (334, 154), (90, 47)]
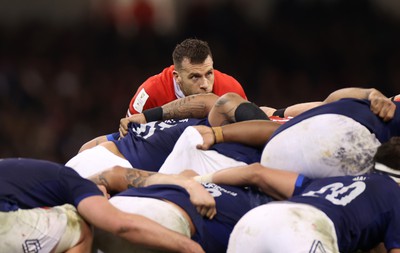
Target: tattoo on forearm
[(137, 178), (187, 107)]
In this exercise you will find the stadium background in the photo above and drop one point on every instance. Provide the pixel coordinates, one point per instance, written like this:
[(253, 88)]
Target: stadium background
[(68, 68)]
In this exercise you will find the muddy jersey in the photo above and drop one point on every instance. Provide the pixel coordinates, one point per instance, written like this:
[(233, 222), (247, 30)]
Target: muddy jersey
[(231, 202), (160, 89), (146, 146), (357, 109), (29, 183), (364, 209)]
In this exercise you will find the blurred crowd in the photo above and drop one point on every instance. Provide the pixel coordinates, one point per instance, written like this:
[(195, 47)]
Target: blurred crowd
[(61, 86)]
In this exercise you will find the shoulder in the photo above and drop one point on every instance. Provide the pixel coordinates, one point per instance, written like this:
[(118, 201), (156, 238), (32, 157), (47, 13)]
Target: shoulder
[(164, 78), (224, 83), (222, 77)]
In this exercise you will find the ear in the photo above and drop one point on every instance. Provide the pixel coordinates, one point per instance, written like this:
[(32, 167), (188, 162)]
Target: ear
[(177, 78), (176, 74)]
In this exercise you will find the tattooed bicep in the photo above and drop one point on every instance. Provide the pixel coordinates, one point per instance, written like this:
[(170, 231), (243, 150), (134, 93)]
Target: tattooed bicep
[(137, 178)]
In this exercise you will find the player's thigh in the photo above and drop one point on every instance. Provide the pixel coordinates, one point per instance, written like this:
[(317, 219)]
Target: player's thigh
[(37, 229), (269, 228)]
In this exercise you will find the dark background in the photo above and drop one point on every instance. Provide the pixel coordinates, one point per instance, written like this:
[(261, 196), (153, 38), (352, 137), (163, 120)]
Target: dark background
[(69, 68)]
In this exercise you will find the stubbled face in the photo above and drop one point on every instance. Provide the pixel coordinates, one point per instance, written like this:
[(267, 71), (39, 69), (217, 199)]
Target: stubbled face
[(195, 78)]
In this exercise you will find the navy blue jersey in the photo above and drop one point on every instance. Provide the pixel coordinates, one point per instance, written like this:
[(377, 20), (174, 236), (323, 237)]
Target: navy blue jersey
[(365, 209), (231, 202), (357, 109), (146, 146), (29, 183)]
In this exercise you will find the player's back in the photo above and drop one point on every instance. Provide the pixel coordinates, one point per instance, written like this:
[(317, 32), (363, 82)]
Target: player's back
[(363, 208), (147, 145)]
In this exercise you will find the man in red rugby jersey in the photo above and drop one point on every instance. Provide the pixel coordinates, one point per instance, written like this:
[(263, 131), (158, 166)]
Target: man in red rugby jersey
[(192, 73)]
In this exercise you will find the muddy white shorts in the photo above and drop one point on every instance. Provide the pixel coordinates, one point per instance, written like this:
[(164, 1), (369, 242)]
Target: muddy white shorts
[(157, 210), (40, 230), (185, 156), (283, 227), (95, 160), (322, 146)]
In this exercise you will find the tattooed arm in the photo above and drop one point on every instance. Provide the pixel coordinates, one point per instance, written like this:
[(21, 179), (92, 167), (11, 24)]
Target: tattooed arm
[(118, 179), (194, 106), (223, 112)]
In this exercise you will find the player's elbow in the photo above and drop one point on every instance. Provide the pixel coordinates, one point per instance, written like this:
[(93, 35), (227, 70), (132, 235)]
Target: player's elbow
[(256, 174)]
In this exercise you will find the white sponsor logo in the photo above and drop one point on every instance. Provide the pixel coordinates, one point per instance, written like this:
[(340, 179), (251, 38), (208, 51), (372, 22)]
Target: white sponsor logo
[(216, 190), (140, 100)]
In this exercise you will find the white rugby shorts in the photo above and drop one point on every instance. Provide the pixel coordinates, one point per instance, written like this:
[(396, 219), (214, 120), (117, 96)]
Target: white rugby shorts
[(40, 230), (185, 156), (322, 146), (284, 227), (157, 210), (95, 160)]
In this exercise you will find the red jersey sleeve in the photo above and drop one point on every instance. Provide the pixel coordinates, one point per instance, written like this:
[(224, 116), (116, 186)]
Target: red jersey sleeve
[(156, 91), (224, 83)]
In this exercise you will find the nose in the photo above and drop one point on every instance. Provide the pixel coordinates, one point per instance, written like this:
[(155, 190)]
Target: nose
[(204, 83)]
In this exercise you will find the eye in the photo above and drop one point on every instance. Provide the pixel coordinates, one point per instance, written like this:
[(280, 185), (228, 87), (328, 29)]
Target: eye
[(195, 77)]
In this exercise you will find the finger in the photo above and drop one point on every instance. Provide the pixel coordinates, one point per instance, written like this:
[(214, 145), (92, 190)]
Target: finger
[(211, 213), (201, 146), (124, 126), (391, 112), (376, 107), (388, 112), (206, 211), (122, 132), (201, 211)]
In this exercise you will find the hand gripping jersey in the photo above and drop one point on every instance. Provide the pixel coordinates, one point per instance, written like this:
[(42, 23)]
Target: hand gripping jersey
[(29, 183), (146, 146), (364, 209), (231, 202), (160, 89)]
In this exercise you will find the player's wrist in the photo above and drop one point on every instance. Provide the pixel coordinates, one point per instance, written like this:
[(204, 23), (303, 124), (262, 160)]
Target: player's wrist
[(208, 178), (153, 114), (218, 134)]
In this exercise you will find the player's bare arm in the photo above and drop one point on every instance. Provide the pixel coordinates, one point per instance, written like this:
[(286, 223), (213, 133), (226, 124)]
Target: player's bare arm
[(118, 179), (252, 132), (223, 112), (380, 104), (194, 106), (278, 184)]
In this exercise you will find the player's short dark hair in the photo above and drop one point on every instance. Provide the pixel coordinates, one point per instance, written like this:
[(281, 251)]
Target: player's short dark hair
[(195, 50), (389, 153)]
